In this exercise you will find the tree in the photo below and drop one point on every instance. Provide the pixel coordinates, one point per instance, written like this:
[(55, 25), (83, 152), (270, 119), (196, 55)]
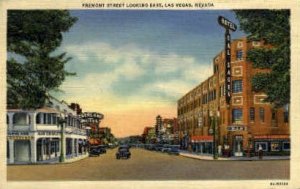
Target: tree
[(273, 27), (34, 67)]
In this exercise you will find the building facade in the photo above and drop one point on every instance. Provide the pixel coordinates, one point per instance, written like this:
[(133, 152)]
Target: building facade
[(244, 124), (35, 136)]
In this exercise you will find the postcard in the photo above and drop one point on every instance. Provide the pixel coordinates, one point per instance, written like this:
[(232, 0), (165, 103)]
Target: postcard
[(141, 94)]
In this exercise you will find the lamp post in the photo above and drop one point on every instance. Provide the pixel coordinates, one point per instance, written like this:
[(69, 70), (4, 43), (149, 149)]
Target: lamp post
[(88, 130), (61, 123), (213, 130)]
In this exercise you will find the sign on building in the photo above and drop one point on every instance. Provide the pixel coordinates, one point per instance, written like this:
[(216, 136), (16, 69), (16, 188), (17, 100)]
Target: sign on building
[(228, 25)]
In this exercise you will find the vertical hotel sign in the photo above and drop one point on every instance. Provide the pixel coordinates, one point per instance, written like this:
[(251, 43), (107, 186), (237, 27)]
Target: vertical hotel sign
[(228, 25)]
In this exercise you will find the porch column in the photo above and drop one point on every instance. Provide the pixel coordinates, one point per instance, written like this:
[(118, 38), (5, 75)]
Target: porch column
[(11, 151), (33, 150), (76, 147), (42, 149), (10, 121), (73, 146), (33, 121), (42, 118)]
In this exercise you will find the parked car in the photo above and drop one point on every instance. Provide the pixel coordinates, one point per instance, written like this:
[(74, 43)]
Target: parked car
[(174, 151), (102, 149), (95, 152), (158, 147), (165, 149), (123, 152)]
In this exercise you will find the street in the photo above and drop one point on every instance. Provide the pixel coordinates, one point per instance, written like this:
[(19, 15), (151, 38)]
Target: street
[(150, 165)]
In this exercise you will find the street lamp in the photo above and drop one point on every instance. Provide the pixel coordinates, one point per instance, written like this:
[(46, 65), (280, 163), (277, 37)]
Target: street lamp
[(61, 123), (88, 131), (213, 130)]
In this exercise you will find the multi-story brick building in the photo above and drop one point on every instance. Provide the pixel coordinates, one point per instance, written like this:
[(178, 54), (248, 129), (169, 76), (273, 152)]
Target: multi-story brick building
[(246, 122)]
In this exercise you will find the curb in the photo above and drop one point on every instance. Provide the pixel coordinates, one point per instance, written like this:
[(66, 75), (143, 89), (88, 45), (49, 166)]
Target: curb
[(51, 163), (208, 158)]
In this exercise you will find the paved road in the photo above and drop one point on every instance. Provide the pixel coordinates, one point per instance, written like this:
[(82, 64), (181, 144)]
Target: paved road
[(149, 165)]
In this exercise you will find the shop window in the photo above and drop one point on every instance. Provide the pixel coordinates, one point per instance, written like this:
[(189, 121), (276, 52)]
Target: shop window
[(239, 55), (262, 114), (252, 114), (275, 146), (237, 86), (286, 146), (237, 116), (264, 146)]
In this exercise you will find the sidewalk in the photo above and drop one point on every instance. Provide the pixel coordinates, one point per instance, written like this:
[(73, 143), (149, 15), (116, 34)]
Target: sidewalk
[(210, 157), (68, 159)]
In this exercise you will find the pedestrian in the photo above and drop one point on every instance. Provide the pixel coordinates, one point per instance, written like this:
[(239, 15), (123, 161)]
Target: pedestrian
[(220, 150), (260, 152)]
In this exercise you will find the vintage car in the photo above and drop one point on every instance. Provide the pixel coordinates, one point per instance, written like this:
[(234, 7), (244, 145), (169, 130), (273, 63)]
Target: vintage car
[(96, 151), (123, 152)]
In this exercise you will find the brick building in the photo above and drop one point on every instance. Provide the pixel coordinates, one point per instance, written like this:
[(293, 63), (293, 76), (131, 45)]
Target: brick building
[(247, 122)]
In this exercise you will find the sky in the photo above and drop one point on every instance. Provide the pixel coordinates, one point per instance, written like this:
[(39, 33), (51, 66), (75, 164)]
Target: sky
[(132, 65)]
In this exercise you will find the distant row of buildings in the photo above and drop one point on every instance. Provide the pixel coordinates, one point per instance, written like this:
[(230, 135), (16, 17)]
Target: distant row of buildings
[(164, 131)]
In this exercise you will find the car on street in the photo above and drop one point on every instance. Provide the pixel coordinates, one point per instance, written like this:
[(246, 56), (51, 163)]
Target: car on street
[(165, 149), (94, 152), (123, 152), (97, 150), (174, 151), (158, 147)]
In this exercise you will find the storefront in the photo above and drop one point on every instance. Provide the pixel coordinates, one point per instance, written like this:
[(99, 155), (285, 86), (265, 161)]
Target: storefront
[(202, 144), (272, 144)]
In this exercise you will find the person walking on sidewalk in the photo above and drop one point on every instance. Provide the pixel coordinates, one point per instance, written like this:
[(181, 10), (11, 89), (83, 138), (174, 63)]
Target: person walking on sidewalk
[(260, 152)]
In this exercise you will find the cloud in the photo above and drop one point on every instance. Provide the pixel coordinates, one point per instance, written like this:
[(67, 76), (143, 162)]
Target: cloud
[(154, 77)]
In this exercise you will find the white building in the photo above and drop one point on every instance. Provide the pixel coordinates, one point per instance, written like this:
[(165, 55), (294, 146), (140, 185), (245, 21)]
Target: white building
[(34, 136)]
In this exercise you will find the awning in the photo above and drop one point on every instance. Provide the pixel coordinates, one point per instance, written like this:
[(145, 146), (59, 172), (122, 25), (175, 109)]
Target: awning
[(204, 138), (271, 137), (94, 141)]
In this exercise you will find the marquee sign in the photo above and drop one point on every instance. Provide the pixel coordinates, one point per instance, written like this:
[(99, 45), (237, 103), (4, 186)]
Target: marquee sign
[(236, 128), (228, 25)]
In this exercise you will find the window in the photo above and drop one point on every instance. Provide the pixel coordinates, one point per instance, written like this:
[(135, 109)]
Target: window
[(237, 86), (275, 146), (252, 114), (44, 118), (286, 116), (237, 116), (239, 55), (239, 44), (54, 119), (256, 43), (264, 146), (262, 114), (286, 146), (49, 119), (38, 118), (273, 114)]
